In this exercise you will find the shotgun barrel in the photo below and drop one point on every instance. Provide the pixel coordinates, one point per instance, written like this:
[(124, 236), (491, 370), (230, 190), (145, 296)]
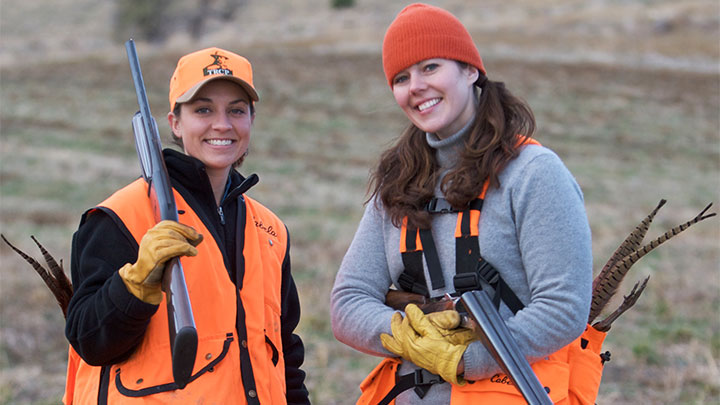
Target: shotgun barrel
[(181, 323), (496, 337)]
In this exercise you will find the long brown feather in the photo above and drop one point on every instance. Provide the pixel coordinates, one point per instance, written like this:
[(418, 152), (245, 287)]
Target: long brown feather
[(56, 269), (628, 301), (62, 290), (606, 285), (630, 244)]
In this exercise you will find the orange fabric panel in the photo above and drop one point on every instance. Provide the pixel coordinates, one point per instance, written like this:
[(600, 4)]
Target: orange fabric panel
[(379, 382), (403, 238)]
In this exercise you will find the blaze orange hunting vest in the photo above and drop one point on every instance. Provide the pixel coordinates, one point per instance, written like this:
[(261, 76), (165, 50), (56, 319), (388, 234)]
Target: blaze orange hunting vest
[(146, 377)]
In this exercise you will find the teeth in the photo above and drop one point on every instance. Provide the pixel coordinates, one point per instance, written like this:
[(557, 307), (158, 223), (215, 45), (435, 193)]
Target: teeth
[(219, 142), (428, 104)]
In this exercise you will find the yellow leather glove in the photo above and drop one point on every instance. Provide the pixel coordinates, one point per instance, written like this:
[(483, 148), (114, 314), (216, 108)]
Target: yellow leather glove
[(161, 243), (448, 324), (417, 339)]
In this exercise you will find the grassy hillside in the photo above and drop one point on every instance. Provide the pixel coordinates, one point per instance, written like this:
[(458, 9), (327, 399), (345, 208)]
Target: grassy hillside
[(627, 93)]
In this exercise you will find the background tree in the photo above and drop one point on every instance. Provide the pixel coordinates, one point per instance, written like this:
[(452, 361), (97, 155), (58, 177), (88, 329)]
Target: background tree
[(155, 20)]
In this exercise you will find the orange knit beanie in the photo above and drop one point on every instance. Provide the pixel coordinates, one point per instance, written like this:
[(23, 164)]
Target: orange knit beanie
[(420, 32)]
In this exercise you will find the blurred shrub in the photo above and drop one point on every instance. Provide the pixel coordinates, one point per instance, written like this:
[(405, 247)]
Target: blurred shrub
[(155, 20), (342, 3), (141, 19)]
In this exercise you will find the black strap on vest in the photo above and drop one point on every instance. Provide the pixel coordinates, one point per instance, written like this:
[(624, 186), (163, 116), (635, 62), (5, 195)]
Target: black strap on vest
[(471, 269), (438, 205), (421, 380), (471, 280), (412, 279), (467, 252), (432, 259)]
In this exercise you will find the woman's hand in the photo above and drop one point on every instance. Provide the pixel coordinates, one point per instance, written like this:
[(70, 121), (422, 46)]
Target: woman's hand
[(418, 339), (161, 243)]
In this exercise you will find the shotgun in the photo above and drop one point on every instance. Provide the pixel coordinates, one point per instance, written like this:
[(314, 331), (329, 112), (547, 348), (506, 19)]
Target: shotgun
[(181, 324)]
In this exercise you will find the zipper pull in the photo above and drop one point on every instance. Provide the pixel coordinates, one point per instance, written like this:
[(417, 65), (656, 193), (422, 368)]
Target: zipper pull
[(222, 215)]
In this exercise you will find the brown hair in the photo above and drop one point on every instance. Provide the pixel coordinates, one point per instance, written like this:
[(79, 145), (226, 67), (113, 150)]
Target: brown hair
[(405, 177)]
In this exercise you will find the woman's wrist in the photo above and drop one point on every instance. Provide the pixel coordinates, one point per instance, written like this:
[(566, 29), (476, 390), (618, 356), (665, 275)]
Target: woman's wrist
[(461, 366)]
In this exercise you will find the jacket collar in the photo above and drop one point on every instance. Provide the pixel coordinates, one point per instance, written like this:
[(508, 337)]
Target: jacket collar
[(190, 173)]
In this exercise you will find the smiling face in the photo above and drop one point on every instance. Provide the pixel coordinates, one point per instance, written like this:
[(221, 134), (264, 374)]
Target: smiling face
[(215, 126), (437, 95)]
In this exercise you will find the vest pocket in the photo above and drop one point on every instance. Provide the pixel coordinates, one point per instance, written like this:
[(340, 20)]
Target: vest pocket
[(153, 374), (273, 347), (272, 330)]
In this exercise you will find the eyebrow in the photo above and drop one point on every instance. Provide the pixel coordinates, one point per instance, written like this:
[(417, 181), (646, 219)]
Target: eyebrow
[(209, 100)]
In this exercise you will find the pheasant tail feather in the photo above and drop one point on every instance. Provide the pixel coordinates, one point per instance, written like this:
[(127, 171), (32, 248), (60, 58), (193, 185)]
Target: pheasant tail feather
[(631, 243), (62, 290), (607, 282), (56, 269)]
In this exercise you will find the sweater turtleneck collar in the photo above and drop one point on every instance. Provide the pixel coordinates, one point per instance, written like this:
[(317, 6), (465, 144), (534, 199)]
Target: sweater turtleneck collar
[(447, 151)]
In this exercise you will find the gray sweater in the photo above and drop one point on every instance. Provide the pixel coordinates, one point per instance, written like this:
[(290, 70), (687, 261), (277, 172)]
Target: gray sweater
[(533, 230)]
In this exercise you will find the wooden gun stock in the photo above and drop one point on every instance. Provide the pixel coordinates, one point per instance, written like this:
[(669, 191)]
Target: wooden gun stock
[(400, 299)]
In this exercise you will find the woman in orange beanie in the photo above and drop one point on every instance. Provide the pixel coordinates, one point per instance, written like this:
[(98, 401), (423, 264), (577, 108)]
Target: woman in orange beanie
[(464, 188)]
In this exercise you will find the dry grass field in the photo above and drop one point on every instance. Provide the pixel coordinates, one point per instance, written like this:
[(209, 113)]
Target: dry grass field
[(626, 92)]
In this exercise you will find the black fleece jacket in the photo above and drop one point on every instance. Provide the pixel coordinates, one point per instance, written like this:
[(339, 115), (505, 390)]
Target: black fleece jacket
[(106, 323)]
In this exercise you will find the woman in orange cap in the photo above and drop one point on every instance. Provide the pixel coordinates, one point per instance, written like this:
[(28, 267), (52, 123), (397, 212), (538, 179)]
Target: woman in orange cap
[(236, 263), (465, 199)]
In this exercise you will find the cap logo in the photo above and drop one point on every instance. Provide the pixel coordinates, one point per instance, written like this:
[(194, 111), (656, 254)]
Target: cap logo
[(217, 67)]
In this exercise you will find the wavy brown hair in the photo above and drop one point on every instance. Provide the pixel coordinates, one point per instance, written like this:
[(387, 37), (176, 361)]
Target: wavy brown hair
[(405, 177)]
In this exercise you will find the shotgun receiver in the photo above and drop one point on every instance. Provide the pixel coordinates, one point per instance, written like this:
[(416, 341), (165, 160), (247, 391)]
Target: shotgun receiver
[(183, 335)]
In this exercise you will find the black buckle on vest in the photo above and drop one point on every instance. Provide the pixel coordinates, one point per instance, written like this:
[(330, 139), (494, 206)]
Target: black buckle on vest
[(464, 282), (407, 283), (424, 377), (469, 281), (439, 206), (423, 381)]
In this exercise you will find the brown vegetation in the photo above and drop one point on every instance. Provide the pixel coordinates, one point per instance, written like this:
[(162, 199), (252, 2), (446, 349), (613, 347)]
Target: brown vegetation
[(627, 93)]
